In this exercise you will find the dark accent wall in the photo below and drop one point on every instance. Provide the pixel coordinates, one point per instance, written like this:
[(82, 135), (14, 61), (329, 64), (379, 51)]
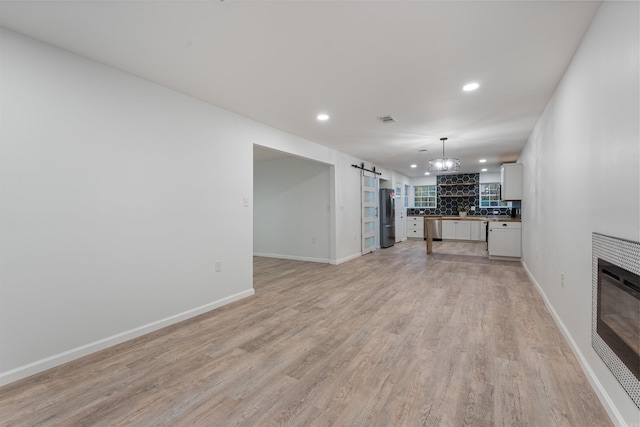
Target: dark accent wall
[(450, 196)]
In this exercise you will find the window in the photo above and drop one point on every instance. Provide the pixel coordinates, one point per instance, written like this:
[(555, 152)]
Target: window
[(425, 196), (490, 196)]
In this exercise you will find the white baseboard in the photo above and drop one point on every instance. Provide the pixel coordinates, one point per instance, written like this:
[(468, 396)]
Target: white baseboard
[(293, 257), (84, 350), (345, 259), (301, 258), (602, 394)]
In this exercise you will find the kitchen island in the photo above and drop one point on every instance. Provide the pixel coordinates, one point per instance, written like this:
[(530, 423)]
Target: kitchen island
[(460, 229)]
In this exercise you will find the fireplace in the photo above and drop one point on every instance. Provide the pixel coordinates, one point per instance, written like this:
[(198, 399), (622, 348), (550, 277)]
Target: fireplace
[(618, 322), (616, 309)]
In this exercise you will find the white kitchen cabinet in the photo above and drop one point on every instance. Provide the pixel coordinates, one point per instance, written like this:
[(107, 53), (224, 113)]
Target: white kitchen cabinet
[(456, 230), (511, 181), (415, 227), (448, 230), (504, 239), (463, 230)]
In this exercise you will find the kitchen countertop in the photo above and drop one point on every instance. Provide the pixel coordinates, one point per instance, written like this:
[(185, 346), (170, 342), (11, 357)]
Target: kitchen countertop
[(500, 218)]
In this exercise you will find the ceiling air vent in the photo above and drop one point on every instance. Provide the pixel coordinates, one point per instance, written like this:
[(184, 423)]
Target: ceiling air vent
[(387, 119)]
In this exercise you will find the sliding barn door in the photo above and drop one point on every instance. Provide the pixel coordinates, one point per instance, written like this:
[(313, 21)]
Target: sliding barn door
[(369, 211)]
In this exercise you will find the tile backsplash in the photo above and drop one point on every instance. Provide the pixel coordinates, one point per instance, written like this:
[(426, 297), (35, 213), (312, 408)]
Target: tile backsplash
[(459, 189)]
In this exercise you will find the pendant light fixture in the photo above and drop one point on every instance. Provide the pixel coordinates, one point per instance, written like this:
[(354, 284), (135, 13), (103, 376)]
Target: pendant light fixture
[(444, 164)]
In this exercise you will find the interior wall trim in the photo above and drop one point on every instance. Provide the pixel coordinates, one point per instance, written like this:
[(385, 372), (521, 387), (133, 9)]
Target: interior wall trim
[(345, 259), (602, 394), (293, 257), (84, 350)]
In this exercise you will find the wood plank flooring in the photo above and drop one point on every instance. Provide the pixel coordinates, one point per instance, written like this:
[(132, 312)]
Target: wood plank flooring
[(394, 338)]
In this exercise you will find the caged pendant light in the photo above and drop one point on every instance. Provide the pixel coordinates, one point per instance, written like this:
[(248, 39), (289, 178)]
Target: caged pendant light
[(444, 164)]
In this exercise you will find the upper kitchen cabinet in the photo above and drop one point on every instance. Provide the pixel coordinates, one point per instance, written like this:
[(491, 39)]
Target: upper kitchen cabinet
[(511, 181)]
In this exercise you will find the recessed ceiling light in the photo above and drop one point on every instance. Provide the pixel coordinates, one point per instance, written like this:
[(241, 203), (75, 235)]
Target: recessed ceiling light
[(483, 170), (470, 86), (323, 117), (483, 160), (414, 166), (427, 173)]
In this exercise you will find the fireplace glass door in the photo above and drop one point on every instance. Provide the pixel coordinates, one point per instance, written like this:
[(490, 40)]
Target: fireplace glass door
[(618, 322)]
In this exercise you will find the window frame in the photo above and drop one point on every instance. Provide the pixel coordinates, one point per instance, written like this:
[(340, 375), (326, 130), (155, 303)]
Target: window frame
[(428, 200), (492, 197)]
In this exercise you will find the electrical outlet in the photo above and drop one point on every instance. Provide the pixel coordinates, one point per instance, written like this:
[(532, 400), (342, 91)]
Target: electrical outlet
[(562, 279), (245, 202), (313, 240), (218, 266)]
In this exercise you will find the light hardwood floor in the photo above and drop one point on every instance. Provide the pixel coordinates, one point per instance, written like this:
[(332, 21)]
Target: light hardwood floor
[(394, 338)]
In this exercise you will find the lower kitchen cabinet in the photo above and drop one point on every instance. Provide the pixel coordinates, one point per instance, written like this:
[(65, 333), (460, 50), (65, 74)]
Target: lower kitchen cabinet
[(415, 227), (464, 230), (504, 239), (448, 230), (456, 230)]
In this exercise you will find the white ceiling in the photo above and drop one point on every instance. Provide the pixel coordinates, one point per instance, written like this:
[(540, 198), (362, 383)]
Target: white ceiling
[(283, 62)]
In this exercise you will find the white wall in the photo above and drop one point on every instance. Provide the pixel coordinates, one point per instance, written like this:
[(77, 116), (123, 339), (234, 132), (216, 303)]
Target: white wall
[(424, 180), (581, 175), (489, 177), (113, 204), (117, 197), (345, 195), (292, 216), (345, 189)]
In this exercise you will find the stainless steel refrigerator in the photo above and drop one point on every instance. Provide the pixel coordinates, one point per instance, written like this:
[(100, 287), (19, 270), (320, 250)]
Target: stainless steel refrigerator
[(387, 217)]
